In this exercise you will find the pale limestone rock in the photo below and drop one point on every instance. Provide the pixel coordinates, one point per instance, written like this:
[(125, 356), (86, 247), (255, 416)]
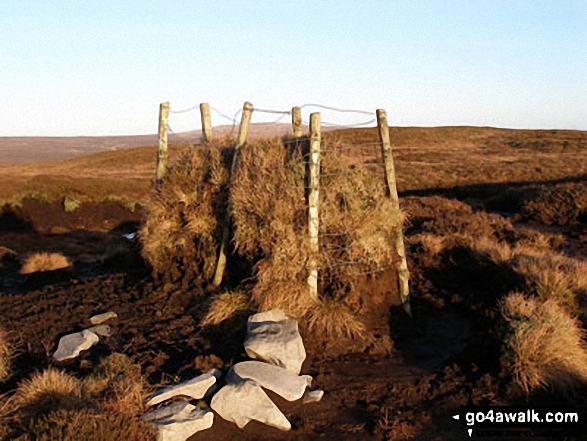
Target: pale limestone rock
[(312, 396), (246, 401), (179, 421), (101, 318), (72, 344), (195, 388), (274, 338), (275, 378), (101, 330)]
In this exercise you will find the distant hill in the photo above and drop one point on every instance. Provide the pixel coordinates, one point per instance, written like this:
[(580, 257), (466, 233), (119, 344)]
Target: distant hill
[(30, 149)]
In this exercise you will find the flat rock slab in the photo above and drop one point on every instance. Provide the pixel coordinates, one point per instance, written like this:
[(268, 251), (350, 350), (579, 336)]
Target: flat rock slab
[(195, 388), (274, 338), (312, 396), (101, 318), (71, 345), (179, 421), (275, 378), (246, 401)]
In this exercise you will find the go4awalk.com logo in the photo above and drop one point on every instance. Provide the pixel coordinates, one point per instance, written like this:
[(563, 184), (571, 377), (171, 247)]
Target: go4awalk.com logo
[(506, 421)]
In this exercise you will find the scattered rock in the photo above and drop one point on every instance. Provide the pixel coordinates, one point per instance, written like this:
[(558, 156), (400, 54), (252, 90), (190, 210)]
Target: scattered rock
[(101, 318), (179, 421), (312, 396), (72, 344), (101, 330), (274, 338), (275, 378), (246, 401), (195, 388)]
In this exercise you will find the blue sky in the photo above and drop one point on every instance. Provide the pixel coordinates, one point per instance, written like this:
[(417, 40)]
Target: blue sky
[(102, 67)]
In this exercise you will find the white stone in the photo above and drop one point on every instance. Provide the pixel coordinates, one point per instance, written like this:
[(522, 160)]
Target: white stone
[(101, 318), (72, 344), (275, 315), (275, 378), (101, 330), (246, 401), (195, 388), (312, 396), (274, 338), (179, 421)]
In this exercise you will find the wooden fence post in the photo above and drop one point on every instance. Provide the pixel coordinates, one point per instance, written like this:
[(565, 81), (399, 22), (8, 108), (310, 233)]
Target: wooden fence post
[(162, 154), (206, 122), (243, 132), (313, 203), (402, 267), (296, 121)]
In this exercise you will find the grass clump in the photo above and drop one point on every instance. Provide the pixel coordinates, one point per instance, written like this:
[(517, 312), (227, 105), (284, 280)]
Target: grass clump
[(48, 391), (225, 306), (6, 354), (119, 384), (39, 262), (544, 346), (181, 233), (269, 211)]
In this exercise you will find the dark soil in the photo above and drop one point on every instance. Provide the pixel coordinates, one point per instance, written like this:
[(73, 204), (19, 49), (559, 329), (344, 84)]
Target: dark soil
[(442, 358)]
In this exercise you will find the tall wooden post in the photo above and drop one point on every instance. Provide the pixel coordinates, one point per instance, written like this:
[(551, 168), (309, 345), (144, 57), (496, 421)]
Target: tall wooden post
[(243, 132), (162, 154), (296, 121), (402, 266), (206, 122), (313, 203)]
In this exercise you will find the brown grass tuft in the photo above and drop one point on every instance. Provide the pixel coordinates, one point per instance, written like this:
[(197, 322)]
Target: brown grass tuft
[(88, 425), (48, 391), (544, 345), (182, 231), (118, 382), (332, 318), (44, 262), (225, 306), (6, 354)]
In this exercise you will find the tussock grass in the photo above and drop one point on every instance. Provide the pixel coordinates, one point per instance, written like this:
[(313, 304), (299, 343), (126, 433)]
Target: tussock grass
[(6, 354), (547, 274), (544, 345), (39, 262), (88, 425), (119, 384), (269, 212), (332, 318), (48, 391), (225, 306), (182, 231)]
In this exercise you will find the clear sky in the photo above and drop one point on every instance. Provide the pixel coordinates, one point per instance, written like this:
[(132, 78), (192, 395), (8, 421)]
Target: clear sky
[(102, 67)]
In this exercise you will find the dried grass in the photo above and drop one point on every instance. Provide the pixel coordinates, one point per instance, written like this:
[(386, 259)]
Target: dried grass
[(225, 306), (6, 354), (88, 425), (48, 391), (333, 319), (181, 232), (119, 384), (544, 345), (269, 211), (44, 262)]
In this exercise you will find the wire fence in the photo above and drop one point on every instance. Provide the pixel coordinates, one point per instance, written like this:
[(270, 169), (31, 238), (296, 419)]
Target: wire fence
[(352, 186)]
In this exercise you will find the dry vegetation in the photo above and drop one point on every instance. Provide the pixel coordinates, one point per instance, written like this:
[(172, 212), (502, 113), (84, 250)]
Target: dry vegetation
[(39, 262), (105, 405), (544, 345), (520, 292), (267, 204)]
